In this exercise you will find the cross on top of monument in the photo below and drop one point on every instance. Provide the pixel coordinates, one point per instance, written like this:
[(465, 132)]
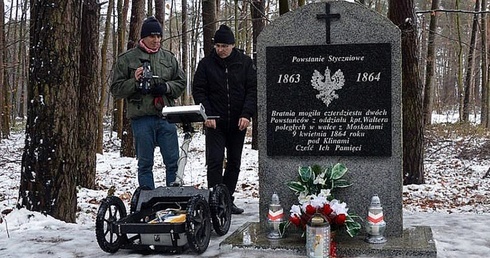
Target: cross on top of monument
[(328, 17)]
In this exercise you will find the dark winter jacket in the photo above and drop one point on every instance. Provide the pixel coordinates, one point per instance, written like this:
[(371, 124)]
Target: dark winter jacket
[(226, 87), (124, 85)]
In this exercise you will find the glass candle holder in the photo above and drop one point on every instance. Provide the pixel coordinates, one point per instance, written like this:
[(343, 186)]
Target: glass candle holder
[(318, 237)]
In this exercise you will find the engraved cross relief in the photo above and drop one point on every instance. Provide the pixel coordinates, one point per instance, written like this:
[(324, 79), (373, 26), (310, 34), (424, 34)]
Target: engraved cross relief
[(328, 18)]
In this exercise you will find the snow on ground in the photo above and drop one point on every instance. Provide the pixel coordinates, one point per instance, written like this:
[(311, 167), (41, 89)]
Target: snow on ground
[(454, 201)]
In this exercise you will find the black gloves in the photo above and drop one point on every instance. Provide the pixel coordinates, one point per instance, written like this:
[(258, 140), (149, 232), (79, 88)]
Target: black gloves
[(159, 89), (143, 87)]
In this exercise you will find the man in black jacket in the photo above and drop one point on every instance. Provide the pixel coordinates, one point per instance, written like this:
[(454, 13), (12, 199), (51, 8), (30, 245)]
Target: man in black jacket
[(225, 83)]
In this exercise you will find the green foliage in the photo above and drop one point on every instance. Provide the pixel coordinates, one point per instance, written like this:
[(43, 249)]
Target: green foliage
[(351, 225), (313, 179)]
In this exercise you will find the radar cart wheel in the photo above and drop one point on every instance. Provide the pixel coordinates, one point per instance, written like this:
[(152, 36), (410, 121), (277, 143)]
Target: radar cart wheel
[(198, 224), (111, 210), (220, 204)]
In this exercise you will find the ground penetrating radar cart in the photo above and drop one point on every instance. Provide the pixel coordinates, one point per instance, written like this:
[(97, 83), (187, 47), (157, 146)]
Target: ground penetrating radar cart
[(168, 219)]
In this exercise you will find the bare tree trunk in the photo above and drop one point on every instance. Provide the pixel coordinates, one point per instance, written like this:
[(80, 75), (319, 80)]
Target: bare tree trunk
[(242, 31), (469, 66), (283, 7), (449, 95), (149, 9), (170, 29), (122, 11), (195, 35), (423, 24), (484, 69), (236, 29), (104, 78), (460, 64), (49, 164), (177, 35), (22, 58), (16, 91), (3, 90), (258, 24), (209, 24), (185, 54), (12, 44), (136, 20), (402, 14), (160, 12), (429, 68), (89, 93)]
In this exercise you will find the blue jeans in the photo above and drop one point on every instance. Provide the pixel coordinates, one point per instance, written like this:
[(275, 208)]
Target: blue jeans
[(149, 132)]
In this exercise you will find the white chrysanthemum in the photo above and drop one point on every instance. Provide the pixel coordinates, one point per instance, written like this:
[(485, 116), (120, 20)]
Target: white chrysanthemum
[(338, 207), (303, 206), (319, 180), (318, 201), (324, 192), (303, 197), (295, 210)]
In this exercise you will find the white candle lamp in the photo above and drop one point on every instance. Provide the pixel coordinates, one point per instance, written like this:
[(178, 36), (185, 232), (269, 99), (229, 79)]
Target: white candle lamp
[(318, 237)]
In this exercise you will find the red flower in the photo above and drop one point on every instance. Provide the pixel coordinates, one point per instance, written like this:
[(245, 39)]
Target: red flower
[(310, 209), (304, 219), (339, 219), (295, 220), (327, 210)]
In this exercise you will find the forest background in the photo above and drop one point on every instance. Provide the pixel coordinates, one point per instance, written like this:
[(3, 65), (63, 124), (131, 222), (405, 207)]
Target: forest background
[(56, 62)]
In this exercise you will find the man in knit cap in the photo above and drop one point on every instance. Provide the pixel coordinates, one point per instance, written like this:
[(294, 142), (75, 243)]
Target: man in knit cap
[(225, 83), (145, 98)]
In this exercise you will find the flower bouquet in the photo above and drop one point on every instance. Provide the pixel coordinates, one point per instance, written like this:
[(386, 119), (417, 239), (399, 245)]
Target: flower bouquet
[(314, 187)]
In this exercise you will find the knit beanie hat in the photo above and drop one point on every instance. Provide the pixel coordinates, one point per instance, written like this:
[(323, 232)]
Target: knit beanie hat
[(151, 26), (224, 35)]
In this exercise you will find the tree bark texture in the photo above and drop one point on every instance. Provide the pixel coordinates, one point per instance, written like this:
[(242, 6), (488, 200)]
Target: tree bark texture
[(49, 164), (484, 69), (460, 63), (470, 66), (104, 78), (3, 89), (185, 50), (258, 23), (429, 68), (122, 13), (136, 20), (88, 94), (403, 15), (209, 24), (160, 13)]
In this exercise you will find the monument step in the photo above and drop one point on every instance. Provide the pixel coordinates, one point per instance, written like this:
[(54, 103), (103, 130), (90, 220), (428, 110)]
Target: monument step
[(250, 239)]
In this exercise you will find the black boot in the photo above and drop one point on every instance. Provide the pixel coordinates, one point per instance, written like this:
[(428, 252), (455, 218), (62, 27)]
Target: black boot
[(234, 208)]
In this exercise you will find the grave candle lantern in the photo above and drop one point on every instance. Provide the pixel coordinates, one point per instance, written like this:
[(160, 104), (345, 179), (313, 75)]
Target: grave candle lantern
[(317, 237), (375, 224), (275, 217)]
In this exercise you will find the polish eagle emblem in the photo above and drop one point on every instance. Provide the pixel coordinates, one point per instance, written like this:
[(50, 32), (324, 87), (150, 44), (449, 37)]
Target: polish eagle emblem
[(327, 85)]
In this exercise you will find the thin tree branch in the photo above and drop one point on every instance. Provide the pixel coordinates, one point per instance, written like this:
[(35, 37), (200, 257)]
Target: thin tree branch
[(450, 11)]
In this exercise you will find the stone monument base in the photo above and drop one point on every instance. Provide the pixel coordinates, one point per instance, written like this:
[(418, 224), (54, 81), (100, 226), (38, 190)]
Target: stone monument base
[(415, 242)]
